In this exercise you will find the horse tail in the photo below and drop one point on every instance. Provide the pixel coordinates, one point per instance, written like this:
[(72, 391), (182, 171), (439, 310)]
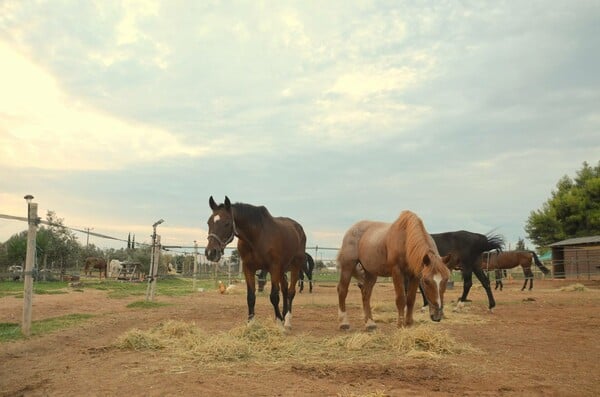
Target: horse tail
[(494, 242), (539, 263), (309, 266)]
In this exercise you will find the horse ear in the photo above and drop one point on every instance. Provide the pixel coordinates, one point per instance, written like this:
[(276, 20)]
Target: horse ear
[(211, 202), (426, 260), (446, 259), (227, 203)]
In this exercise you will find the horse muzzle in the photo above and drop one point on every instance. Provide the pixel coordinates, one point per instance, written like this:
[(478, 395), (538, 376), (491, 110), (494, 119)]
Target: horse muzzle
[(213, 255), (436, 313)]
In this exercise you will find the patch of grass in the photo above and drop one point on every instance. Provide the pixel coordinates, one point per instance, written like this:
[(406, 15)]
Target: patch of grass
[(146, 305), (12, 331), (574, 288), (269, 343), (170, 286), (15, 288)]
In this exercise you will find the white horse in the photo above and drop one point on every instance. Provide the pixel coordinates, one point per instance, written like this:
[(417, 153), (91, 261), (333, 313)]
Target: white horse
[(114, 267)]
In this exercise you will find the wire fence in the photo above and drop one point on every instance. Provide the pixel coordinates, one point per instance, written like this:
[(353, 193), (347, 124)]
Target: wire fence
[(229, 269)]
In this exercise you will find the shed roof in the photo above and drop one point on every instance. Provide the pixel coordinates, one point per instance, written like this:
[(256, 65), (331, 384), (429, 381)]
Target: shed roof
[(577, 241)]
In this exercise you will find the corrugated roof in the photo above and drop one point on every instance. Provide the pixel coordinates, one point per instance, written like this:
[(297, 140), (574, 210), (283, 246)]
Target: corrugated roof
[(577, 241)]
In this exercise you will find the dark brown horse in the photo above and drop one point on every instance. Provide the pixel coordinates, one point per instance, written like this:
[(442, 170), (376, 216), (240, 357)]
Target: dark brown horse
[(307, 270), (466, 249), (92, 263), (402, 250), (511, 259), (275, 244)]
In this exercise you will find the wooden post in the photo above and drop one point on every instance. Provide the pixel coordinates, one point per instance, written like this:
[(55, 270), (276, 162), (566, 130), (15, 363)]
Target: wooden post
[(156, 257), (29, 260), (195, 264)]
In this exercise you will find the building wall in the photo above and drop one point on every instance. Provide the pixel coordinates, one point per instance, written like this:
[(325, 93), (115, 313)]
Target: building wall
[(581, 261)]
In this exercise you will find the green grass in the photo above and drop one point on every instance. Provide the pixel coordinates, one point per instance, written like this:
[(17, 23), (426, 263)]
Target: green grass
[(8, 288), (12, 331), (146, 305), (169, 286)]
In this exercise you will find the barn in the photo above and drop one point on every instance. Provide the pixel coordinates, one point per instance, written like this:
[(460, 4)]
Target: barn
[(576, 257)]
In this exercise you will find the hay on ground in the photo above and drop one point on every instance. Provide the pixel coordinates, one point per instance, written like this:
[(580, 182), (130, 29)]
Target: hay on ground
[(270, 344)]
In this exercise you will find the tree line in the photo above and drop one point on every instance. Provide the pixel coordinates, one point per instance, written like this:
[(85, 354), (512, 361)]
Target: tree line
[(573, 210)]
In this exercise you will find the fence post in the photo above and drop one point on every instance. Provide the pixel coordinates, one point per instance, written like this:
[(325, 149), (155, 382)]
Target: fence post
[(195, 264), (29, 260), (156, 257)]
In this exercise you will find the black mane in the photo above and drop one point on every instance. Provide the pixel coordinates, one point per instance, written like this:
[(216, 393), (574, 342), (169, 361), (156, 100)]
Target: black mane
[(251, 213)]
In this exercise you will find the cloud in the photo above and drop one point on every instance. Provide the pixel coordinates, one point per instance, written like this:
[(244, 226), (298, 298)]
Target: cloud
[(41, 126)]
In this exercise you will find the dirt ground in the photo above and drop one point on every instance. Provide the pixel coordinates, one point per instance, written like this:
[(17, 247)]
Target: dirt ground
[(539, 343)]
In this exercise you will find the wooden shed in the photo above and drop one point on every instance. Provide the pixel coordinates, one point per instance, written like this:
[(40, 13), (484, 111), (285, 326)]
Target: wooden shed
[(576, 257)]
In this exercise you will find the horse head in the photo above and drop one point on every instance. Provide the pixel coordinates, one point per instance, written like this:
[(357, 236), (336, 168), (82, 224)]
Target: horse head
[(434, 276), (221, 229)]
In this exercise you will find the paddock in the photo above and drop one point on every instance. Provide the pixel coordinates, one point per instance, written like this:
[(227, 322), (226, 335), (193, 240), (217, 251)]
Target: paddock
[(540, 342)]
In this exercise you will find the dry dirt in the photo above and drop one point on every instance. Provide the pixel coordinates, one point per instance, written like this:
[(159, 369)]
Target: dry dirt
[(539, 343)]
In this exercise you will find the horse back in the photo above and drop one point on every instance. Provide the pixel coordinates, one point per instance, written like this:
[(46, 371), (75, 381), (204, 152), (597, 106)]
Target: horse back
[(365, 242), (281, 241)]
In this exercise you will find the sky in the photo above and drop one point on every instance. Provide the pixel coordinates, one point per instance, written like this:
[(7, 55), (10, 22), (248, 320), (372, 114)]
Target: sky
[(117, 114)]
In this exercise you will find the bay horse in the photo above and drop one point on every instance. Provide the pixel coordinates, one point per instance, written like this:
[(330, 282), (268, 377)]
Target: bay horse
[(511, 259), (465, 249), (92, 263), (275, 244), (402, 250), (307, 270)]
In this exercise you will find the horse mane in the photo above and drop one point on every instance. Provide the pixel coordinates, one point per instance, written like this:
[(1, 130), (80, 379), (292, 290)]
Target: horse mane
[(418, 242), (253, 214)]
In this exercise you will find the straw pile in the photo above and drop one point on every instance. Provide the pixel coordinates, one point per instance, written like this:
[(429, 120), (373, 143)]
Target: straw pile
[(269, 344)]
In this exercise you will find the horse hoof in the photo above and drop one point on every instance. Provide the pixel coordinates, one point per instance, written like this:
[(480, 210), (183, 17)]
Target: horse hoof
[(491, 310), (370, 327), (344, 327)]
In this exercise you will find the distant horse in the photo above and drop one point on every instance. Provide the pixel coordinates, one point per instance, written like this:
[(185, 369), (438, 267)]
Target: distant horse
[(402, 250), (465, 249), (307, 270), (92, 263), (114, 267), (276, 244), (510, 259), (499, 274)]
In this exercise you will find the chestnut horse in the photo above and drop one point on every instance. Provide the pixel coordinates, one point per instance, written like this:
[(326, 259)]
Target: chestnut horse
[(402, 250), (275, 244), (92, 263), (510, 259)]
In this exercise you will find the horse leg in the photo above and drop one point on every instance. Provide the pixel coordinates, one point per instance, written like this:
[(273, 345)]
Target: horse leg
[(467, 283), (425, 302), (346, 269), (301, 282), (411, 296), (401, 285), (366, 291), (485, 281), (250, 294), (290, 294)]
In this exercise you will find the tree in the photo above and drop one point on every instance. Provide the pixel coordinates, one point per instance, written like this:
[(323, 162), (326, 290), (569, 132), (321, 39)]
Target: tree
[(520, 245), (573, 209)]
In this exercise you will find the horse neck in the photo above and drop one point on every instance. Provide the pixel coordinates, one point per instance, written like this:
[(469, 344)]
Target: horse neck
[(246, 229)]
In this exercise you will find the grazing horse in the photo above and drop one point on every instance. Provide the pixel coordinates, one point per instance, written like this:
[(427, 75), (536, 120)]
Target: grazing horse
[(92, 263), (510, 259), (465, 249), (402, 250), (275, 244), (307, 270)]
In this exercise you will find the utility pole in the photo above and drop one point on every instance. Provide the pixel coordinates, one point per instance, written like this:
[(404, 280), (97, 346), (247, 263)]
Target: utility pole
[(87, 240), (32, 220), (154, 254)]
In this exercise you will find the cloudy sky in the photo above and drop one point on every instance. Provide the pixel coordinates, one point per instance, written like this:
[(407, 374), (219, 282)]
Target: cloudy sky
[(117, 114)]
